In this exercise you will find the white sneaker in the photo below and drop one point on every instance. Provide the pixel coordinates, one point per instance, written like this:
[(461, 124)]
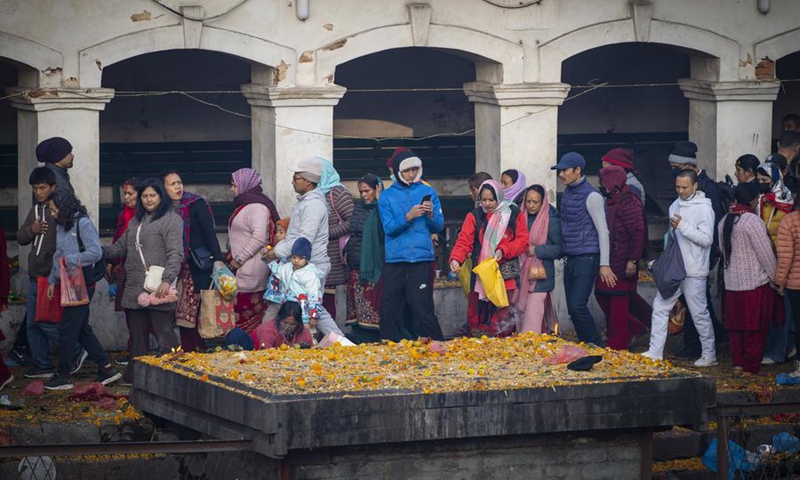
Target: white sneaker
[(705, 361), (796, 373), (767, 361), (653, 356)]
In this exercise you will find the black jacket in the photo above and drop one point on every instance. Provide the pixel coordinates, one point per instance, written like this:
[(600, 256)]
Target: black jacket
[(202, 234)]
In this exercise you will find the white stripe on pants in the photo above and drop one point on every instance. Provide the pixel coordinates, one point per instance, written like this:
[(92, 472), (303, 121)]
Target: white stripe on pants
[(694, 289)]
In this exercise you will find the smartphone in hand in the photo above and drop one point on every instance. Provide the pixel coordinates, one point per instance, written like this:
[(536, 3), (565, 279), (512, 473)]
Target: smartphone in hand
[(426, 198)]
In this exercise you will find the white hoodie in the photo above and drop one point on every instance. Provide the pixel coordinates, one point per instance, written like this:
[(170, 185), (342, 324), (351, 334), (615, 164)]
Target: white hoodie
[(695, 233)]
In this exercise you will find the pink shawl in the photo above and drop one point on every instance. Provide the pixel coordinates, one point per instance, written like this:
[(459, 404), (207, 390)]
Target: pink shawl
[(495, 228)]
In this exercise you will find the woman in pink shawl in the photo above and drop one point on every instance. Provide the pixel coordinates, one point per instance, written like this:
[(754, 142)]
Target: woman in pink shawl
[(532, 300), (495, 229)]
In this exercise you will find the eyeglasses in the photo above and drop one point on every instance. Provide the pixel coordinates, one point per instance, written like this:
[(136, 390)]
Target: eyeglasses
[(297, 178)]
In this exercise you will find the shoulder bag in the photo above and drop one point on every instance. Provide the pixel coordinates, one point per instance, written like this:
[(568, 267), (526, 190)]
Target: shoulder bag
[(153, 273)]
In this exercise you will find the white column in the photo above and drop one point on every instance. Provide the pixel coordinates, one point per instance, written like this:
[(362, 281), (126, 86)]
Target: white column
[(289, 123), (70, 113), (516, 127), (729, 119)]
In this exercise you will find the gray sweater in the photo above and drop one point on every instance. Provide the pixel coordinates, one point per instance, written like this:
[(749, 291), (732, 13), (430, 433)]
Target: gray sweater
[(162, 245), (67, 247), (309, 219)]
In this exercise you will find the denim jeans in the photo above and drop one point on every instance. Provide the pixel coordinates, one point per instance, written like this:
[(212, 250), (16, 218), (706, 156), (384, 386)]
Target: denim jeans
[(42, 336), (779, 340), (580, 272)]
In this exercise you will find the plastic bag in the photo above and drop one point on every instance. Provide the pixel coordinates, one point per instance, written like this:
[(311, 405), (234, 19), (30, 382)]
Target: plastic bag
[(738, 458), (493, 284), (35, 388), (225, 282), (47, 310), (465, 275), (567, 354), (334, 338), (786, 442), (73, 286)]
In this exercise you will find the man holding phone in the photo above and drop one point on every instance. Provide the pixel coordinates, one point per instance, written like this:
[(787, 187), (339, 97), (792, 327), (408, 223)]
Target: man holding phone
[(410, 212)]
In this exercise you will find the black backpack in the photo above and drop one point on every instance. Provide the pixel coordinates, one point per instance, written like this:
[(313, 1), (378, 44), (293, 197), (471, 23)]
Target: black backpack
[(91, 273)]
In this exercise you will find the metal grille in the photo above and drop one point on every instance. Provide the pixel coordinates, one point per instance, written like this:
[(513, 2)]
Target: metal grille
[(134, 461)]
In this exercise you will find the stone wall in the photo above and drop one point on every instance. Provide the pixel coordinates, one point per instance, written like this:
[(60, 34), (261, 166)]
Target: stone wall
[(549, 457)]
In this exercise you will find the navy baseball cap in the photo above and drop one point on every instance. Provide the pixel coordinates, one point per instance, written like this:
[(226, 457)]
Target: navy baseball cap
[(570, 160)]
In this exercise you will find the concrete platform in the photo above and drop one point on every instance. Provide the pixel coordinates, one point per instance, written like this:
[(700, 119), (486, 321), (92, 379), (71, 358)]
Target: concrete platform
[(225, 408)]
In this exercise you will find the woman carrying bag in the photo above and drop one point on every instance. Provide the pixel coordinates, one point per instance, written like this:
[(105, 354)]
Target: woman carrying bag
[(80, 247), (538, 274), (496, 230), (152, 241), (200, 252), (250, 228)]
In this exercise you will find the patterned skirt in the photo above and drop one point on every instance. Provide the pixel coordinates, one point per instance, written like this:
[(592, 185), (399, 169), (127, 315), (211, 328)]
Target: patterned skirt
[(363, 302)]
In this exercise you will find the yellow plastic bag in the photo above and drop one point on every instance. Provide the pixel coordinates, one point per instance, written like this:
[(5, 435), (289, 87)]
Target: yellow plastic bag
[(493, 284), (465, 275)]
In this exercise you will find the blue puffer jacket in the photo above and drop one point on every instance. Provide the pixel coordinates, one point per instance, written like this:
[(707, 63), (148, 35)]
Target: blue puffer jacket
[(409, 241)]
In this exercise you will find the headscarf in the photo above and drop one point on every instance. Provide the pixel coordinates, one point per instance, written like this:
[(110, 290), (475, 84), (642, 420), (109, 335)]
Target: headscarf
[(538, 237), (495, 227), (329, 178), (780, 195), (517, 188), (248, 182)]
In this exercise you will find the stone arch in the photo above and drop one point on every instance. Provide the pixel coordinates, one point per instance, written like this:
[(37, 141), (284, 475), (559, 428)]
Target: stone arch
[(497, 59), (43, 64), (705, 42), (778, 46), (258, 50)]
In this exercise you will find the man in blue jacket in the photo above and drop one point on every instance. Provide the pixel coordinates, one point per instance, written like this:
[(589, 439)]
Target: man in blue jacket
[(410, 212)]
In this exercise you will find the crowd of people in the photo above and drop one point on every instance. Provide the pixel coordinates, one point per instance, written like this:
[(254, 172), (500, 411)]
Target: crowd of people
[(381, 250)]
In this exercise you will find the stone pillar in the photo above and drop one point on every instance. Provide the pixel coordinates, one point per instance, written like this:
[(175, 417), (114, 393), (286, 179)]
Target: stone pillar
[(289, 123), (70, 113), (729, 119), (516, 127)]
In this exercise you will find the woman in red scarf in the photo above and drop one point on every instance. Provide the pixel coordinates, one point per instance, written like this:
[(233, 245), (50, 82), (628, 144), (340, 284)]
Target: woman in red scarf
[(495, 229), (250, 228), (625, 217), (200, 251), (538, 276), (116, 267)]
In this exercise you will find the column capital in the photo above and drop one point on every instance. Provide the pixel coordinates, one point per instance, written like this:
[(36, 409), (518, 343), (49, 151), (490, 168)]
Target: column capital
[(258, 95), (517, 94), (745, 91), (44, 99)]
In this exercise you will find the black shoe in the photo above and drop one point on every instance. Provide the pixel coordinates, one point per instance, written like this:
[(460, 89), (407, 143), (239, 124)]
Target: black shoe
[(122, 360), (79, 362), (21, 356), (687, 354), (108, 374), (58, 383), (38, 372)]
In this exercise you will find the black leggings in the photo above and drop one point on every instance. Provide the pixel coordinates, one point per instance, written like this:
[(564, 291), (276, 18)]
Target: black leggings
[(794, 300)]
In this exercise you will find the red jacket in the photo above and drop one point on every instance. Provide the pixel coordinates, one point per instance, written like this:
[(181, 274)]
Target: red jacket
[(267, 336), (625, 216), (513, 243)]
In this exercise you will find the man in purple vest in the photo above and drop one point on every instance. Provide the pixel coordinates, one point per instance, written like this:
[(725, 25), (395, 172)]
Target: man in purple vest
[(585, 241)]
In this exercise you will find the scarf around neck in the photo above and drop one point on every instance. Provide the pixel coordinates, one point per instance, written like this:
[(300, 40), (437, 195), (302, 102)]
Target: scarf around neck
[(496, 225), (538, 237), (184, 205), (372, 250)]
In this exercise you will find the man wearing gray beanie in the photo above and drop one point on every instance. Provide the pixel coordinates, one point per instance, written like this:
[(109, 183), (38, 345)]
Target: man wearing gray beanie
[(56, 154)]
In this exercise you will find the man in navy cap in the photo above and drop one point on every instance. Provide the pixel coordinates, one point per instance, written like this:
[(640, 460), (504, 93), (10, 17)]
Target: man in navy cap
[(585, 242), (56, 154)]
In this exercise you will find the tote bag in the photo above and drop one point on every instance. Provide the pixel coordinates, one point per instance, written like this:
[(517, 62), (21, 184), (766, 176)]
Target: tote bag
[(669, 269)]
